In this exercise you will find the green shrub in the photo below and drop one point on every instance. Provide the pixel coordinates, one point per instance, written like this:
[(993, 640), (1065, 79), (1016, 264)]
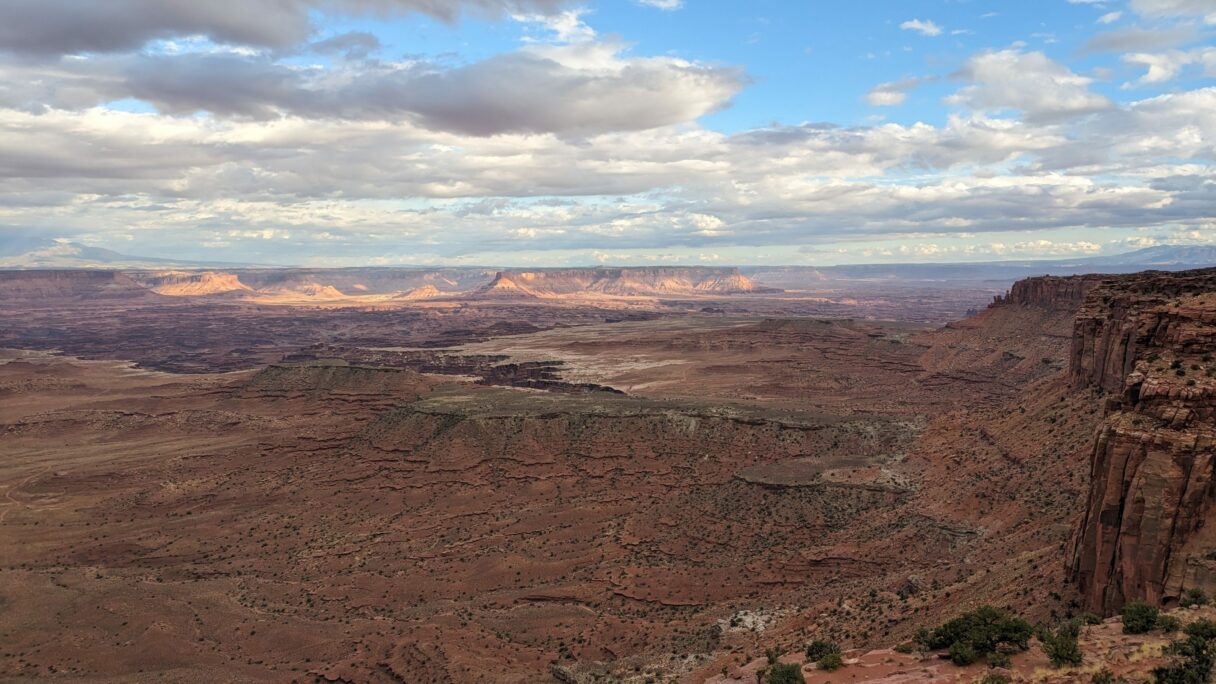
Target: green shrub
[(962, 653), (1103, 676), (818, 649), (1168, 623), (1193, 597), (998, 659), (785, 673), (906, 647), (1192, 662), (1204, 629), (978, 633), (831, 661), (1139, 617), (995, 678), (1061, 646)]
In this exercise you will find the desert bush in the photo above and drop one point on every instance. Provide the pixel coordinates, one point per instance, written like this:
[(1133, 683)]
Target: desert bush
[(962, 653), (1168, 623), (1204, 629), (998, 659), (1061, 645), (1139, 617), (785, 673), (995, 678), (831, 661), (1193, 597), (977, 633), (1192, 662), (1103, 676), (818, 649), (906, 647)]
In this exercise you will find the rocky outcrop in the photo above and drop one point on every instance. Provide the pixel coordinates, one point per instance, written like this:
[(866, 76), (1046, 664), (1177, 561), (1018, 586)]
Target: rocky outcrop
[(676, 280), (1148, 340), (1051, 292)]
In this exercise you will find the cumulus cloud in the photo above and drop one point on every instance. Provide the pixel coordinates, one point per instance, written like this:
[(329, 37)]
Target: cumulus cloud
[(574, 89), (1166, 66), (1028, 82), (893, 92), (569, 142), (765, 186), (57, 27), (925, 28), (1176, 8)]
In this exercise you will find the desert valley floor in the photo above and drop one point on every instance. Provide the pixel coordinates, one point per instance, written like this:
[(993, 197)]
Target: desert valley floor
[(521, 487)]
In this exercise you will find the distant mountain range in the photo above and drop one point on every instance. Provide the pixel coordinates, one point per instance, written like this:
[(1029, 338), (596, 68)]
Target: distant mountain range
[(1161, 258), (16, 253), (55, 254)]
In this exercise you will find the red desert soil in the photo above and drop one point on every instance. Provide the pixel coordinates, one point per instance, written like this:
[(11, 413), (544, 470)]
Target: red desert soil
[(347, 517)]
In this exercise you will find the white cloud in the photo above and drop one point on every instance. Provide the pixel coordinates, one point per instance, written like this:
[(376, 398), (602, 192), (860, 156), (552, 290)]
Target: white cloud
[(925, 28), (56, 27), (893, 92), (667, 5), (1166, 66), (577, 87), (1110, 17), (1176, 8), (1028, 82), (573, 144)]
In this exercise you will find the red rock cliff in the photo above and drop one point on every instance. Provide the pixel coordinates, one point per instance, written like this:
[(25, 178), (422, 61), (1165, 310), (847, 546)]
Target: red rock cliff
[(1052, 292), (1148, 339)]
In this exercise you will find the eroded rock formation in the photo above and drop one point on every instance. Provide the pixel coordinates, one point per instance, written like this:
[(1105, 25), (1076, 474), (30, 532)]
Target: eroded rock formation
[(621, 282), (1148, 340)]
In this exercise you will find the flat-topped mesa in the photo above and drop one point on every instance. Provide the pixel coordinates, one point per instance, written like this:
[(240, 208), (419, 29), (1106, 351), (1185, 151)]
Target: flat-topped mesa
[(1149, 340), (191, 283), (643, 281), (74, 284), (1061, 293)]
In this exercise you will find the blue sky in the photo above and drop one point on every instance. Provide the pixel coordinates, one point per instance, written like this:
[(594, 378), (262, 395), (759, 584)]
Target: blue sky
[(525, 132)]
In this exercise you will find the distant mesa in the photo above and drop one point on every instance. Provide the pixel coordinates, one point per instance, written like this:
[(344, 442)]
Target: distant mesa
[(419, 293), (620, 282), (193, 283), (304, 290)]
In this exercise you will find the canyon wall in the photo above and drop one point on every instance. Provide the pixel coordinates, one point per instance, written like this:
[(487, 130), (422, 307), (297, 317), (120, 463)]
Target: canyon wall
[(684, 280), (1065, 293), (1145, 342)]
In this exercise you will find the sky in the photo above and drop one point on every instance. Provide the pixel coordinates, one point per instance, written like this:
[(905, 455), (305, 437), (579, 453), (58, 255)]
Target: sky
[(625, 132)]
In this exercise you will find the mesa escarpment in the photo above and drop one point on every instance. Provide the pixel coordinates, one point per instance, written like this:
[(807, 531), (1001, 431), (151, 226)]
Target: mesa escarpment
[(1148, 340), (193, 283), (642, 281), (56, 287), (1052, 292)]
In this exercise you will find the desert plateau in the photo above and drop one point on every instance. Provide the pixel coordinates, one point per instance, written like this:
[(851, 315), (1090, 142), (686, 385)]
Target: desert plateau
[(607, 342), (640, 485)]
